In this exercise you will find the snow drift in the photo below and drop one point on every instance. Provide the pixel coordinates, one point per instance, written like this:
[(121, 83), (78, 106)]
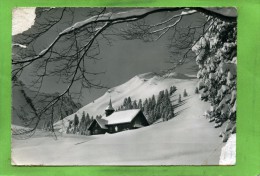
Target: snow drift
[(228, 152)]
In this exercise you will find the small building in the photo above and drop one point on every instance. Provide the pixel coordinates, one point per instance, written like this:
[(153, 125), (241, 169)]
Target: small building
[(118, 121)]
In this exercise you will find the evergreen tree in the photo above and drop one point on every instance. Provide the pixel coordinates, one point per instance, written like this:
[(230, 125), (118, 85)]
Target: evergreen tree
[(185, 94), (153, 101), (145, 106), (69, 127), (76, 120), (82, 124), (125, 104), (76, 123), (170, 112), (172, 89), (160, 97), (157, 111), (179, 100), (88, 120), (196, 90), (140, 104), (149, 106), (151, 117), (83, 115), (129, 103), (135, 105)]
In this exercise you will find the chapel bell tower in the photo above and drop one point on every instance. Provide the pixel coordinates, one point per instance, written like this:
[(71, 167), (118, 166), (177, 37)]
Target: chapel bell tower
[(109, 110)]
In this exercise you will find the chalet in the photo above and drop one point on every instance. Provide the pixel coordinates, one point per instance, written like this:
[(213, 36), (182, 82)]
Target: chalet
[(114, 122)]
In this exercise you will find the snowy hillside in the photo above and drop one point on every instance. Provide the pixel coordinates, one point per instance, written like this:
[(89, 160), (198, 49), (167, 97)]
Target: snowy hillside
[(228, 152), (187, 139), (139, 87)]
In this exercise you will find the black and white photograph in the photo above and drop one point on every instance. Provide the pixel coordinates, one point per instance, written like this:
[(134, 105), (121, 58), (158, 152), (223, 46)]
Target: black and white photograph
[(123, 86)]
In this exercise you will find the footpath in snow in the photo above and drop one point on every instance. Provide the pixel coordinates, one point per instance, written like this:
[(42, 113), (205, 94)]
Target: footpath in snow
[(187, 139)]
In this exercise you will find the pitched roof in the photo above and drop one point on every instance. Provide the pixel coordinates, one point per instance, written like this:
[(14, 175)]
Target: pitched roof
[(125, 116), (119, 117), (102, 123)]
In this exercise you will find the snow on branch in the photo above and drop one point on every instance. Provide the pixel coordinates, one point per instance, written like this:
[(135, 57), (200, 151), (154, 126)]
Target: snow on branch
[(119, 17)]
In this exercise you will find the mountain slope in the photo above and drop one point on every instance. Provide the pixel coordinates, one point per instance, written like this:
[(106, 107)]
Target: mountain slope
[(187, 139), (25, 104), (139, 87)]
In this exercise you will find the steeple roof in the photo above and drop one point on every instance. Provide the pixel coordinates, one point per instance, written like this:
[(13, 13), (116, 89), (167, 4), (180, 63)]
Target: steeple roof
[(110, 107)]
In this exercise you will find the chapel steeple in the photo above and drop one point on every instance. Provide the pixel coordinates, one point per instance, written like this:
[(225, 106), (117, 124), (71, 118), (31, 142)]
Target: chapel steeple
[(109, 110)]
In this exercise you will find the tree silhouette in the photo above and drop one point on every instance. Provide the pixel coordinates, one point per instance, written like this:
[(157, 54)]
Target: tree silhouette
[(179, 100), (185, 94), (196, 90)]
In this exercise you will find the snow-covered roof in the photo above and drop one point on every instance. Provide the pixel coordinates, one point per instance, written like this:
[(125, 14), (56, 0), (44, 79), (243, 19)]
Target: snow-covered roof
[(102, 123), (119, 117), (125, 116)]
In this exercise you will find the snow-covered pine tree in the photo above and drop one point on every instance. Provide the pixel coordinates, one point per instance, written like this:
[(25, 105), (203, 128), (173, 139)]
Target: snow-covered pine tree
[(88, 117), (87, 123), (149, 106), (216, 55), (69, 127), (170, 112), (140, 104), (75, 123), (160, 97), (156, 112), (124, 104), (172, 89), (129, 103), (185, 94), (82, 124), (76, 120), (145, 106), (196, 90), (151, 116), (135, 105), (153, 102)]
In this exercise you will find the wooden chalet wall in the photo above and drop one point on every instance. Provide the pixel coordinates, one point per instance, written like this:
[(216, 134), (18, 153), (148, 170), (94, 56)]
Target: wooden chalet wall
[(96, 129)]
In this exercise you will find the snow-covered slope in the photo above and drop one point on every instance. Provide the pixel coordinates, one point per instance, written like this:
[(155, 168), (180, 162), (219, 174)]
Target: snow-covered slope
[(187, 139), (228, 152), (139, 87)]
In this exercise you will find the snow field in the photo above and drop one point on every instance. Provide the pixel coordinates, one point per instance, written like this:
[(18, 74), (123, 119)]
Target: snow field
[(187, 139)]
